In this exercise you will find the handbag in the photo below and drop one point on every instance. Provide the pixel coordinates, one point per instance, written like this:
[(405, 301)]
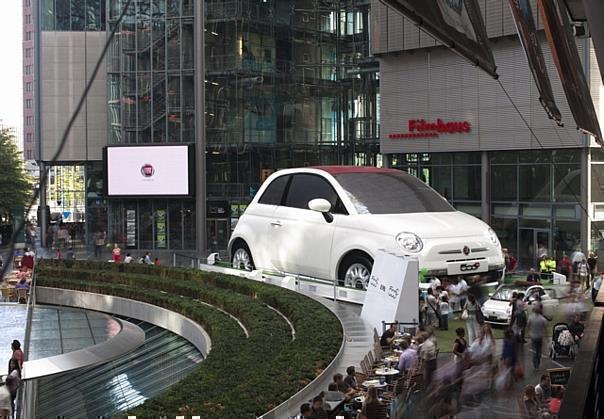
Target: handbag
[(464, 314)]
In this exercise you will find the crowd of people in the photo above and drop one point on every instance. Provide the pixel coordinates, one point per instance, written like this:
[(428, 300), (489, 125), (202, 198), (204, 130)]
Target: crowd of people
[(577, 267), (346, 397), (144, 259), (477, 366)]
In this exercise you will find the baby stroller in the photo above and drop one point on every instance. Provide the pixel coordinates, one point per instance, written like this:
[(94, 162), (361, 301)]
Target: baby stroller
[(563, 343)]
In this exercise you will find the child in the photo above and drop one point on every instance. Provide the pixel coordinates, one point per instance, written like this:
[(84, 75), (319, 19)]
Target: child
[(445, 310)]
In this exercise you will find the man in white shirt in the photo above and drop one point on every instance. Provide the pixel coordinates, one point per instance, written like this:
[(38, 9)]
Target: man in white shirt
[(576, 258), (435, 284), (427, 352), (128, 258)]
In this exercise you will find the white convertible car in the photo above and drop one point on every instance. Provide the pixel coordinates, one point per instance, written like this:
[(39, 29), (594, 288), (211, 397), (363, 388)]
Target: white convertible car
[(497, 309), (328, 222)]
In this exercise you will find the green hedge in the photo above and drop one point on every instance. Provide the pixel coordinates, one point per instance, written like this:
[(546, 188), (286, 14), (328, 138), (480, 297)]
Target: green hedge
[(241, 377)]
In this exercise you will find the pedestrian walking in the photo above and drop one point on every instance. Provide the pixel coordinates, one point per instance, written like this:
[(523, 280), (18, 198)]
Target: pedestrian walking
[(592, 263), (583, 272), (596, 288), (99, 243), (147, 259), (432, 308), (566, 266), (445, 311), (520, 317), (427, 353), (117, 253), (470, 316), (576, 258), (536, 327)]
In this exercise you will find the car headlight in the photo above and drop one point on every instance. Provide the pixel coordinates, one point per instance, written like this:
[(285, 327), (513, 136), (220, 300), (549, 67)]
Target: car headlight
[(492, 237), (409, 242)]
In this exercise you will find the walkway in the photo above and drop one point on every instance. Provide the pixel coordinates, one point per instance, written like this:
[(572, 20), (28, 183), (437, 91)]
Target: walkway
[(358, 341)]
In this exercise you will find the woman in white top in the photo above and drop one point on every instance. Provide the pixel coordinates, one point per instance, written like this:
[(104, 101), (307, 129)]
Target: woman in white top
[(472, 324)]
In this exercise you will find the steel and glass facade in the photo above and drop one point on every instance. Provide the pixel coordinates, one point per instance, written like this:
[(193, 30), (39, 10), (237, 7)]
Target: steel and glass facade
[(285, 84)]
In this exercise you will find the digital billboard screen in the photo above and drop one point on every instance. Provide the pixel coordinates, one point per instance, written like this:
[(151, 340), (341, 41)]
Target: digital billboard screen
[(149, 171)]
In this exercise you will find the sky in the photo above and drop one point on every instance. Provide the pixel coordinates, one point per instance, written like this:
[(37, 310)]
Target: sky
[(11, 95)]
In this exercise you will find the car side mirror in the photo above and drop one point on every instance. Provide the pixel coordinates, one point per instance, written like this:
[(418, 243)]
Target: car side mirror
[(323, 206)]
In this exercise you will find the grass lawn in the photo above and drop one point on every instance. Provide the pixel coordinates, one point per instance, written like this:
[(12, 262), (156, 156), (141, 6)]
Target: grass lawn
[(446, 338)]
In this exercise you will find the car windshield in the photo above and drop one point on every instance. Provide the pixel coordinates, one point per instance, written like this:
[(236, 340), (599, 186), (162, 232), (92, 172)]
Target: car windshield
[(391, 193), (505, 293)]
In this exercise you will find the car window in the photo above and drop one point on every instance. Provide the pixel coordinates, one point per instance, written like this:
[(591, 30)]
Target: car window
[(273, 194), (305, 187), (391, 193), (504, 293)]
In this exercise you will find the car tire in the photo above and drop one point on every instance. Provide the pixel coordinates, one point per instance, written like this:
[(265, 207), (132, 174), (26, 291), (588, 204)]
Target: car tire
[(241, 257), (355, 272)]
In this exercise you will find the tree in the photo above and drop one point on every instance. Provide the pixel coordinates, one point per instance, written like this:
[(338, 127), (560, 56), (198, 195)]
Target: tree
[(16, 187)]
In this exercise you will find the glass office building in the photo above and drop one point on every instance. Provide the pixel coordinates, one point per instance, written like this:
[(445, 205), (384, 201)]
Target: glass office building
[(286, 83)]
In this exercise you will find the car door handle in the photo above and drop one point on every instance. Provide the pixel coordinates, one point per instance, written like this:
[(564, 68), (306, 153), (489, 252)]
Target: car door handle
[(276, 223)]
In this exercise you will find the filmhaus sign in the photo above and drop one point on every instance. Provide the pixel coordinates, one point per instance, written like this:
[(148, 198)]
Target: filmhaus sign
[(420, 128)]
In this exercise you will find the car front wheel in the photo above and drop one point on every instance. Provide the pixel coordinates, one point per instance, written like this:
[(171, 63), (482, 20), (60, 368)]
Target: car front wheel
[(357, 273), (242, 258)]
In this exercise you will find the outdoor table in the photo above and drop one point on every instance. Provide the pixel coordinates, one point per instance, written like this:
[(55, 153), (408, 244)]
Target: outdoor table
[(391, 359), (386, 371), (374, 383)]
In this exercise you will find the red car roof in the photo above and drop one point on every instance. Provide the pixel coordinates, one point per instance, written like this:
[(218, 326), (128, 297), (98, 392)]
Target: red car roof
[(334, 170)]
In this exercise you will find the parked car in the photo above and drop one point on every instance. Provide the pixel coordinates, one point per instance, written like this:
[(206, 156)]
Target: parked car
[(497, 309), (328, 222)]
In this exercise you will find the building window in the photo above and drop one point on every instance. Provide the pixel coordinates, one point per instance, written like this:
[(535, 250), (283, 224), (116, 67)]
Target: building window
[(28, 155), (28, 19), (29, 120), (29, 86), (27, 3), (28, 103), (28, 52), (29, 137), (28, 70), (66, 15), (28, 36)]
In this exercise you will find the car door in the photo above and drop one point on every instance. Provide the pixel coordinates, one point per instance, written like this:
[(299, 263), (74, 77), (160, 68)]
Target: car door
[(302, 239), (256, 226)]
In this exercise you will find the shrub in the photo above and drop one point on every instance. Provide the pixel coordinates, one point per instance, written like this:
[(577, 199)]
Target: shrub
[(241, 377)]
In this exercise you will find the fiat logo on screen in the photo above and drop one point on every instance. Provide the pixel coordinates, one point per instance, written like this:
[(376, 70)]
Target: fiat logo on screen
[(147, 170)]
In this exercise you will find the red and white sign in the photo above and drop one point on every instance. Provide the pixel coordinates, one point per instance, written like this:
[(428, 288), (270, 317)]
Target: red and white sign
[(420, 128)]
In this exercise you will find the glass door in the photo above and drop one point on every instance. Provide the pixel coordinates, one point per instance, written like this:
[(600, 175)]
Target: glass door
[(533, 244)]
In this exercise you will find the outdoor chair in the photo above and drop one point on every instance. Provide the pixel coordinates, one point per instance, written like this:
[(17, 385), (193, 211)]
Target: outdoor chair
[(7, 293), (22, 294)]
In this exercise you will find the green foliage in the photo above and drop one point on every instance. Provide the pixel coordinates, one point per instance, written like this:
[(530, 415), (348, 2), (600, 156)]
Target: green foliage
[(15, 186), (241, 377)]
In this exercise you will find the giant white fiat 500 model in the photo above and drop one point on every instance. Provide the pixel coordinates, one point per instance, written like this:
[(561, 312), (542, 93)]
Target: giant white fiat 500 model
[(328, 222)]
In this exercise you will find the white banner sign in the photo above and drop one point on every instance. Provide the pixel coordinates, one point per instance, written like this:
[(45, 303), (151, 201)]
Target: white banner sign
[(393, 291)]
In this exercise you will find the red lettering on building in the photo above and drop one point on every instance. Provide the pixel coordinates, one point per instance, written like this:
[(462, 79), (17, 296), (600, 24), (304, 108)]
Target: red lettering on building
[(420, 128)]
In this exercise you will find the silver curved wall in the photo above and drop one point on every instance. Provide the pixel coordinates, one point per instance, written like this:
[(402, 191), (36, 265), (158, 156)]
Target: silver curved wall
[(149, 313), (127, 340)]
